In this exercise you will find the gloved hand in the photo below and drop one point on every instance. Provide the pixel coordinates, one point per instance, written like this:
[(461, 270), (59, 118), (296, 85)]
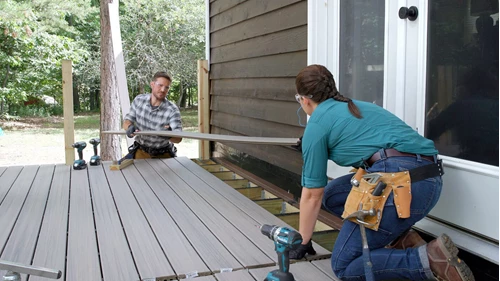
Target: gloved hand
[(302, 250), (298, 146), (130, 131)]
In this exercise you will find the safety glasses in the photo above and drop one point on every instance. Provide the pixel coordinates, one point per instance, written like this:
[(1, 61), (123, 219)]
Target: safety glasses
[(299, 97)]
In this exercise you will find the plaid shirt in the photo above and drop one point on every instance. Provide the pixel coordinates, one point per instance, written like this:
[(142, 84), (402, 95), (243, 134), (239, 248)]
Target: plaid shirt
[(146, 118)]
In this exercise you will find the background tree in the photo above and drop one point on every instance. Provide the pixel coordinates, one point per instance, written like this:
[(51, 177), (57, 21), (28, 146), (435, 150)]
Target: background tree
[(36, 35), (110, 103)]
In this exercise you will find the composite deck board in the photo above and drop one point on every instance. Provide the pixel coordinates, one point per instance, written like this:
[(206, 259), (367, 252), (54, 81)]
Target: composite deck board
[(98, 224), (116, 259), (245, 204), (240, 275), (210, 249), (244, 223), (51, 246), (302, 271), (2, 169), (82, 260), (7, 179), (238, 244), (148, 253), (22, 241), (180, 253), (13, 202), (325, 266)]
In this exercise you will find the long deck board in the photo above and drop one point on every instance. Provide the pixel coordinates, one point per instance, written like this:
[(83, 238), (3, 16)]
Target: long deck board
[(240, 246), (24, 233), (260, 215), (161, 219), (117, 264), (172, 239), (51, 244)]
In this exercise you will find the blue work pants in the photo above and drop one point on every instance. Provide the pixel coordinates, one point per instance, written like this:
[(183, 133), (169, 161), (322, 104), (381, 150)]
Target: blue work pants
[(412, 263)]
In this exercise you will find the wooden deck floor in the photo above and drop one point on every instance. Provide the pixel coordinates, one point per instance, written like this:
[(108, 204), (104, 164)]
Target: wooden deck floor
[(157, 219)]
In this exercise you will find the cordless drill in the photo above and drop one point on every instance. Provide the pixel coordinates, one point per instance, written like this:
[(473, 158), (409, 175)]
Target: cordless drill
[(80, 163), (95, 159), (284, 240)]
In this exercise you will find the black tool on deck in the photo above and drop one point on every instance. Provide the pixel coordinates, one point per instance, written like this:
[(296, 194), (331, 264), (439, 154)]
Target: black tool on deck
[(284, 240), (79, 164), (95, 160)]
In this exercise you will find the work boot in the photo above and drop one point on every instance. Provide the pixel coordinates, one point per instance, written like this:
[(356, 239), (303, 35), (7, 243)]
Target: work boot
[(444, 262), (409, 239)]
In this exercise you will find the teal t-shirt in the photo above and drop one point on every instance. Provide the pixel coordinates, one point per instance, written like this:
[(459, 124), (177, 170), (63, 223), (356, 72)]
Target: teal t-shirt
[(332, 132)]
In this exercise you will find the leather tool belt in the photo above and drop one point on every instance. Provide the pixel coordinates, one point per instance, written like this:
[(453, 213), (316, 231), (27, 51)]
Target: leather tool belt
[(170, 149), (374, 189), (391, 152)]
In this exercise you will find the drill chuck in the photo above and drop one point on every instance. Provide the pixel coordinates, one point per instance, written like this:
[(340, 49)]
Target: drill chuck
[(284, 236)]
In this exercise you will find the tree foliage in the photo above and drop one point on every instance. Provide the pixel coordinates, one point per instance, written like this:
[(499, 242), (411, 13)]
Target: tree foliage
[(36, 35)]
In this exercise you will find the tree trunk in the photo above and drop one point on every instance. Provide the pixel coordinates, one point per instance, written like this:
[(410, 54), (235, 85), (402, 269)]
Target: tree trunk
[(181, 94), (141, 88), (184, 97), (76, 97), (4, 86), (110, 103)]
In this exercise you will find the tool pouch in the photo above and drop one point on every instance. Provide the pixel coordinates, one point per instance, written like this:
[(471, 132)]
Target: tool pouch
[(401, 186), (362, 196), (133, 149)]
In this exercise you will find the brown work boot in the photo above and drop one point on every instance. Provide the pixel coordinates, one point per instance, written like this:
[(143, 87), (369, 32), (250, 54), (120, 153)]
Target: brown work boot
[(444, 262), (409, 239)]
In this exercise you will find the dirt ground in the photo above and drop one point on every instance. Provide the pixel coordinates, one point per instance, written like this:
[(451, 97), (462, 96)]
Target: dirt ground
[(29, 142)]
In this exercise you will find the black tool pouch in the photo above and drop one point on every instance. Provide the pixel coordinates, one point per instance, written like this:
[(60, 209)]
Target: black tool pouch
[(172, 150), (133, 149)]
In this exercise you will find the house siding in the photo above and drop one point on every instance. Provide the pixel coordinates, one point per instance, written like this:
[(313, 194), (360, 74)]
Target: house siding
[(257, 47)]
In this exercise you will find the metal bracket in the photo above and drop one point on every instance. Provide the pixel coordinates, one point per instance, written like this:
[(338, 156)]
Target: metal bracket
[(14, 268)]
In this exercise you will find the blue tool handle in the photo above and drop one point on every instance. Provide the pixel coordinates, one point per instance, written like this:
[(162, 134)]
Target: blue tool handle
[(283, 258)]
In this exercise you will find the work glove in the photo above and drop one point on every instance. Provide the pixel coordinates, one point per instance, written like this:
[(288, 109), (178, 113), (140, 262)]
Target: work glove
[(298, 146), (302, 250), (130, 131)]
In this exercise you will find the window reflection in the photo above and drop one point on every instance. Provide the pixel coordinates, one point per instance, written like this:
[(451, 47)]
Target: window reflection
[(462, 83), (362, 50)]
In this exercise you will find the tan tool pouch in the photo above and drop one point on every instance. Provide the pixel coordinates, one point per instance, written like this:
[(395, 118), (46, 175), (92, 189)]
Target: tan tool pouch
[(400, 183)]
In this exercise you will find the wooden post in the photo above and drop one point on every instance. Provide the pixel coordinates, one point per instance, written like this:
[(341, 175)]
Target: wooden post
[(69, 125), (203, 107)]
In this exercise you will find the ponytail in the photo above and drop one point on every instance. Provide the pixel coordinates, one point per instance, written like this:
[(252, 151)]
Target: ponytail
[(350, 104)]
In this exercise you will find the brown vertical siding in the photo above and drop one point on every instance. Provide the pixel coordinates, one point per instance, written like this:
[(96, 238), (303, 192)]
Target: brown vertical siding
[(257, 47)]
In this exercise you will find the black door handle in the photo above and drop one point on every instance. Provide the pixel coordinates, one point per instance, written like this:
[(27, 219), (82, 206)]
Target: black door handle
[(410, 13)]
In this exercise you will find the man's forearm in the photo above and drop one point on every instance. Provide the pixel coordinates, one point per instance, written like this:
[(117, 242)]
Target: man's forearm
[(126, 123), (175, 140)]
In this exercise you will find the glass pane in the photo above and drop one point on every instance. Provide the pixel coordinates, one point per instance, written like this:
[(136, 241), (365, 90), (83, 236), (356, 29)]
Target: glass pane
[(362, 50), (462, 79)]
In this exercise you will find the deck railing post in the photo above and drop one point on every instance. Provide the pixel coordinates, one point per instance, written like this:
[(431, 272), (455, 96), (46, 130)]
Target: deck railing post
[(203, 107), (69, 125)]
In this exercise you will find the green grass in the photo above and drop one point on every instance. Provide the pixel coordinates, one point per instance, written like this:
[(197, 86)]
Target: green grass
[(86, 122), (189, 119)]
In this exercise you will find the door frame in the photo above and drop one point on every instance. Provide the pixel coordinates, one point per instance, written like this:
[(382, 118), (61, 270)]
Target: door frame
[(405, 70)]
